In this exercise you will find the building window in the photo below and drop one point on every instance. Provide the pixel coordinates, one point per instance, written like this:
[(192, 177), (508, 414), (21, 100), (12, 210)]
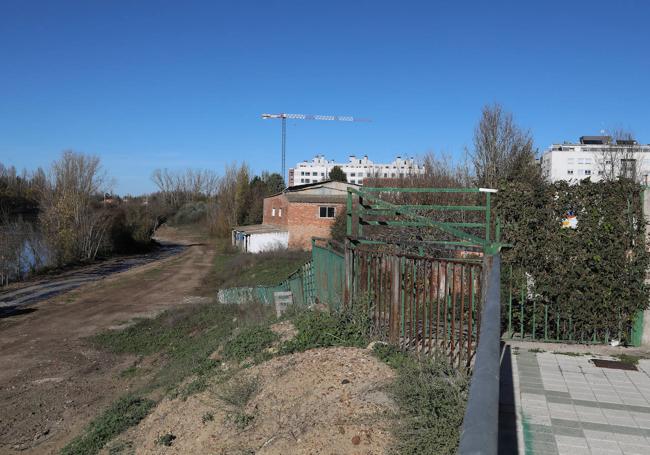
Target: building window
[(385, 175), (628, 168), (587, 171), (570, 172), (326, 212), (352, 174), (280, 213), (273, 211), (314, 173)]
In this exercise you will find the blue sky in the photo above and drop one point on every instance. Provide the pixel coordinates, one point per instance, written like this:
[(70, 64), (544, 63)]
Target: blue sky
[(183, 84)]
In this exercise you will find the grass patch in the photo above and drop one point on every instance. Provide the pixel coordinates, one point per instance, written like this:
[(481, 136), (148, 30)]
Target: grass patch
[(207, 417), (232, 268), (121, 448), (236, 395), (166, 439), (250, 342), (347, 327), (629, 359), (185, 337), (432, 397), (124, 413), (572, 354)]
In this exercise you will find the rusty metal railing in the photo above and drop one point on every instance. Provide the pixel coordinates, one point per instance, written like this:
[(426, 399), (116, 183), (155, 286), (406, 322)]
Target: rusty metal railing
[(424, 304)]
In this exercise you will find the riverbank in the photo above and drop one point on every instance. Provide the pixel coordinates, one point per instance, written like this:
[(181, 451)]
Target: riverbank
[(53, 381)]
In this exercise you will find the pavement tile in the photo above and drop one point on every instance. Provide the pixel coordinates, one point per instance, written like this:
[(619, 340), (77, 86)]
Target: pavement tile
[(631, 449)]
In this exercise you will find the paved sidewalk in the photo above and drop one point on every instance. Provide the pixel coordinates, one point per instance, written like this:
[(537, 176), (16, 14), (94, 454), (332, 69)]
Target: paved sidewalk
[(567, 405)]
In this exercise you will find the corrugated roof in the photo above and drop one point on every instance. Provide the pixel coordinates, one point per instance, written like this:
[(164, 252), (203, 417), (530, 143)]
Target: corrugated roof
[(317, 198), (260, 229)]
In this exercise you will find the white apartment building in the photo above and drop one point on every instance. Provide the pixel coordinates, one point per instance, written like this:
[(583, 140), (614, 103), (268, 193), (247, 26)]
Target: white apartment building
[(356, 169), (596, 157)]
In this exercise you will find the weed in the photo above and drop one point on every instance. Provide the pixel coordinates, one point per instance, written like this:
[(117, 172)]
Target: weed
[(241, 420), (121, 448), (166, 439), (572, 354), (348, 327), (394, 357), (536, 350), (124, 413), (249, 342), (238, 393), (431, 396), (630, 359), (207, 417), (129, 372)]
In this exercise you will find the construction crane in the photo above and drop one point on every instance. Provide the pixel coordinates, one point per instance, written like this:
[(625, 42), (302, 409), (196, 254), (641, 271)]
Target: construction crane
[(284, 117)]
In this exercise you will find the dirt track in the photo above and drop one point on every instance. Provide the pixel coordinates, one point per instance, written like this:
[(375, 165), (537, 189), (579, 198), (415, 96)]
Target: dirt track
[(51, 381)]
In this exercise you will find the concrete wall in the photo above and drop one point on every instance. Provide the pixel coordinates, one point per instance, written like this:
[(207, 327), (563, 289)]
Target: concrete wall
[(257, 243), (645, 338)]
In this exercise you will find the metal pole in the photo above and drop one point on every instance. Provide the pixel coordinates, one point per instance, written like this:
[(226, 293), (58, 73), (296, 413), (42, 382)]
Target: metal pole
[(284, 146)]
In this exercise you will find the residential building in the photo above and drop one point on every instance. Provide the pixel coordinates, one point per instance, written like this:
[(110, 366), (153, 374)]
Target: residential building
[(596, 157), (291, 218), (356, 169)]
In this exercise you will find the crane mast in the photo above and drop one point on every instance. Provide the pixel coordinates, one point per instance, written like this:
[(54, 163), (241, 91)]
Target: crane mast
[(283, 117)]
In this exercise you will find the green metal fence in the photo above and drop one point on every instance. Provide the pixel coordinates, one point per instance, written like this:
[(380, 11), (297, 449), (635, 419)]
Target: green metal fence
[(328, 263), (300, 283), (526, 317), (460, 218), (320, 280)]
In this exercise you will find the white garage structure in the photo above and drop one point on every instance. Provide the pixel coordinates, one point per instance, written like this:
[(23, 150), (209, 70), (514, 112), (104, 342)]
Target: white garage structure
[(260, 237)]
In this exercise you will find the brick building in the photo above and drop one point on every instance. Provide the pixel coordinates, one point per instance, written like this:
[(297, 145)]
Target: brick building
[(292, 217)]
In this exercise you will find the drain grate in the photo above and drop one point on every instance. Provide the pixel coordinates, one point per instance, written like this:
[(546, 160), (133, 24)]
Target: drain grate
[(614, 364)]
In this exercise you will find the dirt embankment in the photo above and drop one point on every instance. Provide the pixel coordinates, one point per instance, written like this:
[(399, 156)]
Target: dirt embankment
[(52, 382), (323, 401)]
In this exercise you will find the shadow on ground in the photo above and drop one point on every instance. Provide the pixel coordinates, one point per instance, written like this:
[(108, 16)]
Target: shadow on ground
[(507, 414)]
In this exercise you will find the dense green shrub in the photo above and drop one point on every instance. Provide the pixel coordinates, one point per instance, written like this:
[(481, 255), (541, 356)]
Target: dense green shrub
[(431, 396), (347, 327), (591, 279), (249, 342)]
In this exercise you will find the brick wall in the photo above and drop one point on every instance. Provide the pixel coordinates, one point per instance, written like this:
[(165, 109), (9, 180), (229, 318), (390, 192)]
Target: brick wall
[(302, 219), (305, 222), (278, 203)]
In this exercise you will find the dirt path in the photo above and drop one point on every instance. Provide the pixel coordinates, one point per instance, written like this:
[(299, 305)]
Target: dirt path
[(51, 381)]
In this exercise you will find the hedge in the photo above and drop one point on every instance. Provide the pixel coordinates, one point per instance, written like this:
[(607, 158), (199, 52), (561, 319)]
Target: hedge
[(585, 284)]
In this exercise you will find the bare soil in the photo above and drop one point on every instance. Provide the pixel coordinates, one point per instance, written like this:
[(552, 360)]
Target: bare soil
[(323, 401), (52, 382)]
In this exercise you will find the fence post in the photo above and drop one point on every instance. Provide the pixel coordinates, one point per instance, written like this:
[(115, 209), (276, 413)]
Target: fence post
[(348, 273), (394, 316)]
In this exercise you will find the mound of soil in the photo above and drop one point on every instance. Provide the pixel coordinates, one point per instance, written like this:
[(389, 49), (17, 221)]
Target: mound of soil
[(323, 401)]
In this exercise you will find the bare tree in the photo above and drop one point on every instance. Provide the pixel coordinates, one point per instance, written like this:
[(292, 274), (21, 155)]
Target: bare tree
[(502, 150), (73, 228), (190, 185), (618, 158)]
